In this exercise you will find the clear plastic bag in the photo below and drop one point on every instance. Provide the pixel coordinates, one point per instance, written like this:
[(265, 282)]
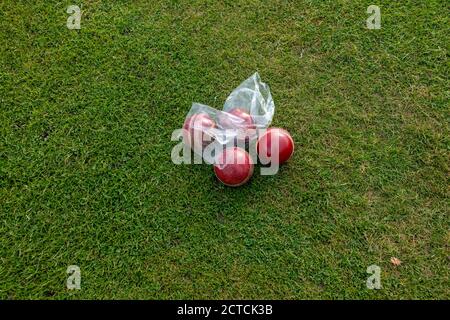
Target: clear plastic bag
[(248, 108), (255, 98)]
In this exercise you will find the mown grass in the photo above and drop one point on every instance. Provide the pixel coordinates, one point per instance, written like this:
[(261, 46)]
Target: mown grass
[(86, 176)]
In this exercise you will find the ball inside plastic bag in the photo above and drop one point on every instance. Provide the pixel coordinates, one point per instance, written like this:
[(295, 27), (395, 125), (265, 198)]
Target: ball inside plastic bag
[(248, 108)]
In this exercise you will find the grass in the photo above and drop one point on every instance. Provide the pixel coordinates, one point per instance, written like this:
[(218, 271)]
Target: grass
[(85, 171)]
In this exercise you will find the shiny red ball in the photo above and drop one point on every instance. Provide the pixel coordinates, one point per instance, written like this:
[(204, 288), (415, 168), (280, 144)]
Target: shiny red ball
[(233, 167), (246, 117), (246, 126), (267, 146), (195, 126)]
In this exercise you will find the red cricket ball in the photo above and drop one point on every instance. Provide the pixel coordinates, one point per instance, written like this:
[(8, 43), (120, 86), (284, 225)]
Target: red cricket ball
[(244, 124), (233, 167), (246, 117), (267, 146), (240, 120), (195, 126)]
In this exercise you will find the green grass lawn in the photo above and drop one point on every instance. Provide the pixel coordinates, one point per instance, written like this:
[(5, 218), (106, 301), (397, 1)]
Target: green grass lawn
[(86, 176)]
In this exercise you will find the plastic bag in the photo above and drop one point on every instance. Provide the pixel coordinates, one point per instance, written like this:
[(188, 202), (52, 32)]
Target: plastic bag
[(255, 98), (248, 108)]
